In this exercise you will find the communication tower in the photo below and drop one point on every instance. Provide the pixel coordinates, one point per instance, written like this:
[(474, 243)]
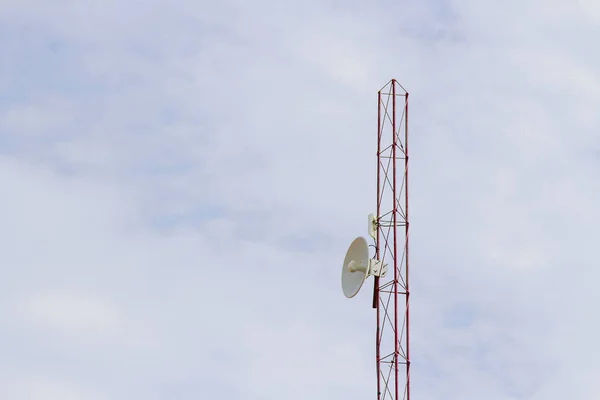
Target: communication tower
[(389, 229)]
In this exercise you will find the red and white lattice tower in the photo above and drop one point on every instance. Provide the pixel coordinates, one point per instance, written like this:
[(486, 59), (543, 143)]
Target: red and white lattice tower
[(391, 293)]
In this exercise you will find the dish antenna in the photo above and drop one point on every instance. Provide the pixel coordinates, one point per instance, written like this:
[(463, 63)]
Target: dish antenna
[(358, 267), (389, 229)]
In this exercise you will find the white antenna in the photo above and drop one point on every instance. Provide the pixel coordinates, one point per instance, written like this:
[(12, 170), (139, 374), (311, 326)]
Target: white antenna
[(372, 226), (358, 267)]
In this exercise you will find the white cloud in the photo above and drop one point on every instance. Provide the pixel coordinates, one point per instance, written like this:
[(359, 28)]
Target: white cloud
[(74, 314), (46, 389)]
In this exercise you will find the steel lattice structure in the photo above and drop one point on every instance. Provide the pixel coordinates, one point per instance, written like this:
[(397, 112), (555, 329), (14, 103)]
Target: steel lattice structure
[(391, 294)]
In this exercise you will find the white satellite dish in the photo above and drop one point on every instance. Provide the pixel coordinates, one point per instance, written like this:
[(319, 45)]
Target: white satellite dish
[(358, 267)]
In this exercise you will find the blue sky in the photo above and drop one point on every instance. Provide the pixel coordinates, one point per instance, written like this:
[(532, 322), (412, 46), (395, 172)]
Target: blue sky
[(181, 180)]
